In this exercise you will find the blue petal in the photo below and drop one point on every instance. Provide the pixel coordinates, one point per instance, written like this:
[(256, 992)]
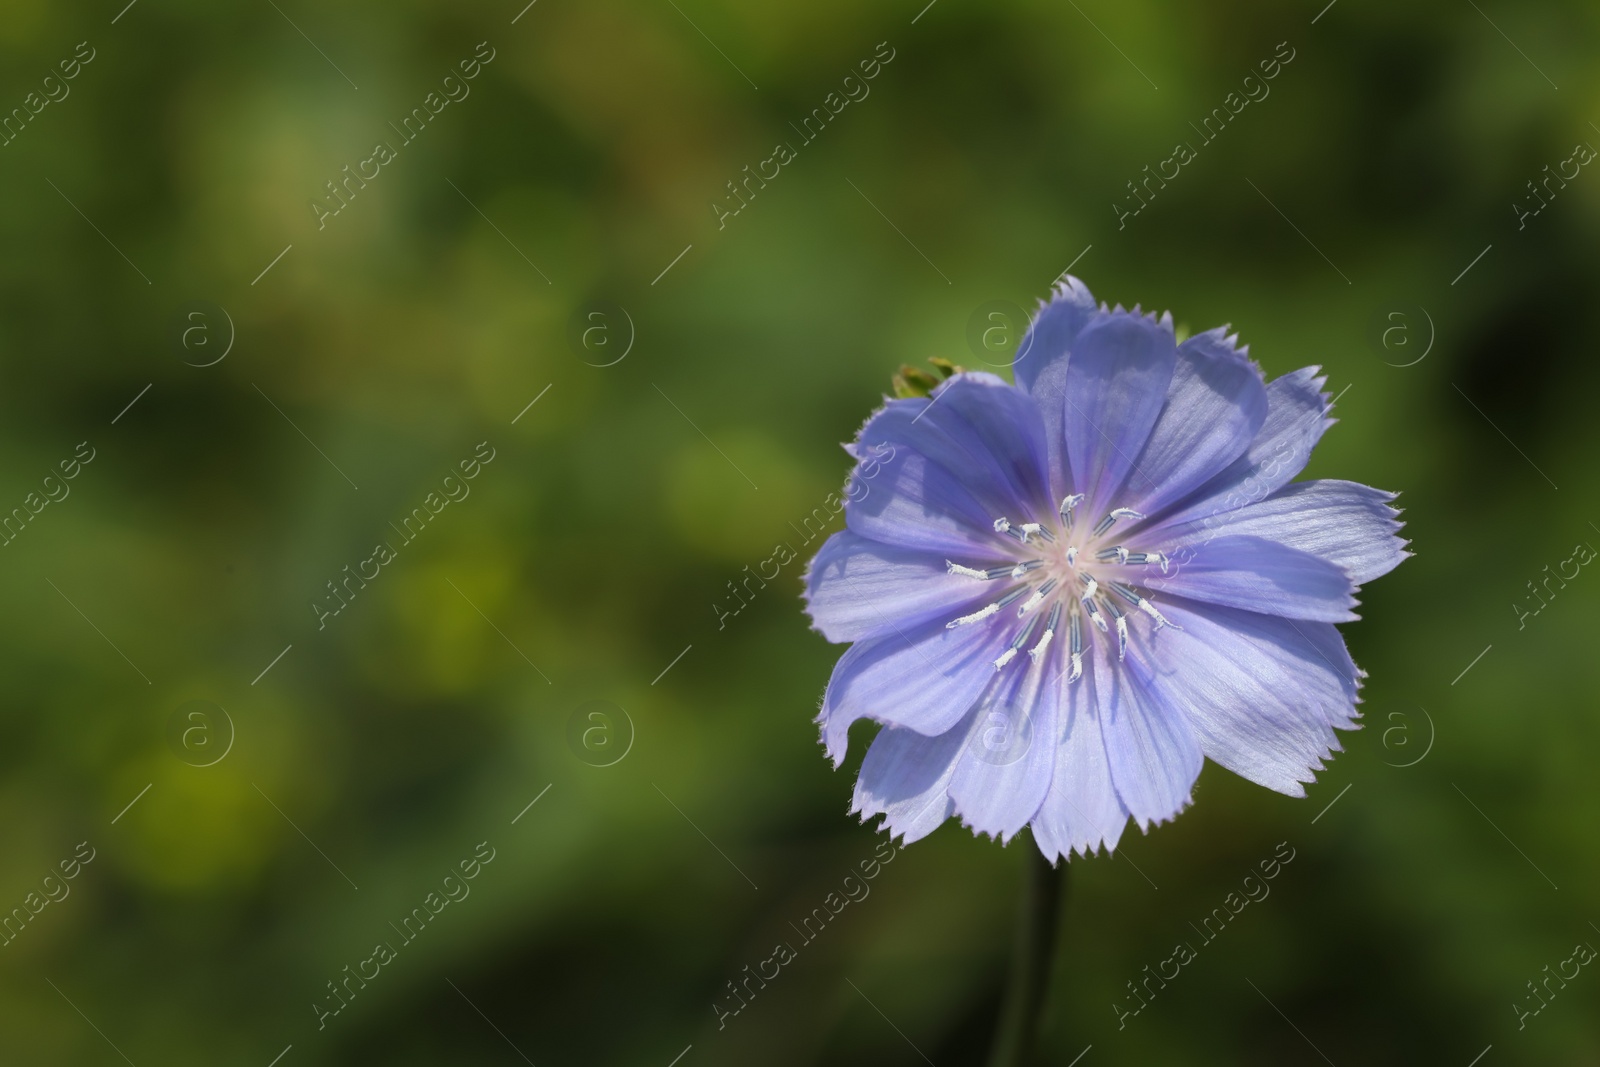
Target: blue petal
[(1002, 434), (1296, 418), (1004, 772), (1214, 408), (1154, 754), (1258, 575), (1346, 523), (1116, 384), (1082, 811), (1263, 695), (1040, 368), (856, 588), (923, 677), (935, 474), (906, 778)]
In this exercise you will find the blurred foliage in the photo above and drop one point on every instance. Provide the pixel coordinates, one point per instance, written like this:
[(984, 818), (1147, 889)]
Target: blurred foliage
[(624, 505)]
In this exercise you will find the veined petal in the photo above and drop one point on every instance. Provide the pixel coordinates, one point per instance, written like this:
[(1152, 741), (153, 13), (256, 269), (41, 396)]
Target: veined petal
[(1116, 384), (1154, 755), (857, 589), (1214, 408), (1296, 418), (925, 678), (1346, 523), (935, 474), (1262, 694), (1259, 575), (999, 428), (1004, 772), (1041, 365), (906, 778), (1082, 811)]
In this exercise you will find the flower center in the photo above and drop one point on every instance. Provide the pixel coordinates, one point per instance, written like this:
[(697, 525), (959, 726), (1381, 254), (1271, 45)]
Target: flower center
[(1064, 572)]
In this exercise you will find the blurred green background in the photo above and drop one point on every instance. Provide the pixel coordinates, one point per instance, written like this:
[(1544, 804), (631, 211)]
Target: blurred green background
[(589, 561)]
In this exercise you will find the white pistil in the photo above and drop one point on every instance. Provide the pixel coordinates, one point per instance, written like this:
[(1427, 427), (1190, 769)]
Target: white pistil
[(1090, 587), (1094, 615), (1150, 610), (1072, 556), (1023, 568), (1005, 657), (1067, 505), (977, 616), (965, 572), (1037, 598), (1127, 593), (1075, 633), (1037, 651), (1122, 629), (1029, 529), (1111, 517), (1117, 552)]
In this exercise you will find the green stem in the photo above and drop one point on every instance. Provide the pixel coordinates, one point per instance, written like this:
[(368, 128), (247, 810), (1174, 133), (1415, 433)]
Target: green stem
[(1043, 888)]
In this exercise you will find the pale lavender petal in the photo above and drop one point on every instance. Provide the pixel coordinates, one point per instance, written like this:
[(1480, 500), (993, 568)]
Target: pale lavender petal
[(1297, 411), (905, 777), (1258, 575), (856, 588), (926, 679), (1117, 380), (1082, 811), (1215, 406), (999, 429), (1352, 525), (1155, 757), (1041, 365), (1004, 772), (1263, 695)]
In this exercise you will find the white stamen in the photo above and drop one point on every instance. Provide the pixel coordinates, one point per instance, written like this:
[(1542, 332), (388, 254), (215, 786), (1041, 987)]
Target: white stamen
[(1067, 504), (1126, 513), (965, 572), (1077, 668), (1030, 528), (1002, 525), (1150, 610), (1158, 557), (1072, 556), (1116, 552), (1005, 657), (976, 616), (1095, 616), (1037, 598), (1023, 568), (1122, 638), (1090, 587), (1049, 633)]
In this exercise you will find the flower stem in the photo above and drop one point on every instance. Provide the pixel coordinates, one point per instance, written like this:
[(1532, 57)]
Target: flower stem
[(1039, 917)]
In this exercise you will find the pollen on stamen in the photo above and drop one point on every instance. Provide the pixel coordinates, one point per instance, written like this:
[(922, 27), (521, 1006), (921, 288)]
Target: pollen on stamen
[(1112, 516), (1094, 615), (1029, 529), (1122, 629), (1075, 628), (1049, 634), (965, 572), (977, 616), (1023, 568), (1037, 598), (1090, 587), (1016, 645), (1118, 553), (1068, 503)]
